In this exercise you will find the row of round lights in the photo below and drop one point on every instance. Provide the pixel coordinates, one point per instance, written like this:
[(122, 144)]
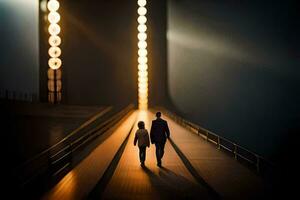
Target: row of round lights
[(54, 39), (54, 62), (142, 56)]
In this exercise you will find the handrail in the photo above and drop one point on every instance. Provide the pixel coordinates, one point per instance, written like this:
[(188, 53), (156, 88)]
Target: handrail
[(67, 137), (219, 141), (67, 150)]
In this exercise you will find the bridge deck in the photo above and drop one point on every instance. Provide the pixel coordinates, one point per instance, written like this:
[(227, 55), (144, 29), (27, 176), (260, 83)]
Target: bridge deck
[(131, 181), (221, 172), (228, 177)]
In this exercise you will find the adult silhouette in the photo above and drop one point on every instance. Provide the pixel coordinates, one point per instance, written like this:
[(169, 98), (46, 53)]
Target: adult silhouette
[(158, 134)]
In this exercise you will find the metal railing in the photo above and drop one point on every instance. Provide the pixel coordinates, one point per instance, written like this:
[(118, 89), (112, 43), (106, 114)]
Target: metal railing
[(18, 96), (240, 153), (54, 160)]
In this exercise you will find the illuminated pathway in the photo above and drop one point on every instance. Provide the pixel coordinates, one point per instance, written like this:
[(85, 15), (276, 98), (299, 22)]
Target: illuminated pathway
[(219, 172), (130, 181)]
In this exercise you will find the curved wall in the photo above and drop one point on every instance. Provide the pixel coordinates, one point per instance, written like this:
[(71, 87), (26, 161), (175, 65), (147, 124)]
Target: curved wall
[(234, 69)]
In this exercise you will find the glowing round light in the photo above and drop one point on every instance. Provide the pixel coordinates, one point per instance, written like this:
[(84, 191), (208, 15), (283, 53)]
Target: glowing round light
[(43, 5), (142, 11), (54, 40), (142, 44), (142, 52), (142, 60), (142, 19), (53, 17), (142, 28), (142, 79), (142, 2), (143, 74), (143, 97), (143, 91), (53, 5), (142, 36), (54, 52), (143, 86), (54, 63), (143, 67), (54, 29)]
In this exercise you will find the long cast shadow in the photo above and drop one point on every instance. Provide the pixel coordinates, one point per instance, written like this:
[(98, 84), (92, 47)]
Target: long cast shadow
[(170, 185)]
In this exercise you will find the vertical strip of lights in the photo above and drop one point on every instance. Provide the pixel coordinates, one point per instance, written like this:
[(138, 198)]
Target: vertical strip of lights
[(54, 62), (142, 56)]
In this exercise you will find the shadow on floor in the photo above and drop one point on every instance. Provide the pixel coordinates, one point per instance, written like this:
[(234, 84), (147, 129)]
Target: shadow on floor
[(170, 185)]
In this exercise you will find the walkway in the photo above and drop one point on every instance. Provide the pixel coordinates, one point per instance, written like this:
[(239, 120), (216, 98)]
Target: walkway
[(218, 172)]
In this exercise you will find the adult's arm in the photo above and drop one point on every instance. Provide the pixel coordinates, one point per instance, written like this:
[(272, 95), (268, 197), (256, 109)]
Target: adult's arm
[(152, 133), (167, 130)]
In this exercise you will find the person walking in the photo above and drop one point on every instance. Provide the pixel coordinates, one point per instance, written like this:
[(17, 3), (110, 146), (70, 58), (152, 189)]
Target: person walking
[(159, 133), (142, 138)]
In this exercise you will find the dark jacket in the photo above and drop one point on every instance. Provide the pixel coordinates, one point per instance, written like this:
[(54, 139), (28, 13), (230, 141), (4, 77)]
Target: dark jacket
[(159, 131), (142, 138)]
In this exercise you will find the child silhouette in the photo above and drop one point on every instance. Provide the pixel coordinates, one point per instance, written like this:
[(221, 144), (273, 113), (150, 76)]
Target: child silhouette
[(142, 137)]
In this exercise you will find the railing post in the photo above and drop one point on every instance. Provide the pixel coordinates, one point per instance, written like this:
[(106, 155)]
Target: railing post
[(257, 163), (219, 144), (235, 151)]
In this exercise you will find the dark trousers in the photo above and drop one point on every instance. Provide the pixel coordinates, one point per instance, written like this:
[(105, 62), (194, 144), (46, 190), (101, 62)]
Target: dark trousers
[(159, 151), (142, 153)]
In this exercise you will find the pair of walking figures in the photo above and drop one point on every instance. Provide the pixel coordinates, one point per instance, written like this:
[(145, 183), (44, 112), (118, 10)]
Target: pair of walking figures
[(159, 134)]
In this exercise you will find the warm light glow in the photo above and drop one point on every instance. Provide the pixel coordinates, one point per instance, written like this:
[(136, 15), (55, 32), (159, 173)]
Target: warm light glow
[(143, 79), (142, 52), (142, 36), (54, 40), (53, 5), (53, 17), (54, 29), (142, 44), (142, 11), (143, 74), (142, 28), (54, 52), (142, 59), (54, 63), (43, 5), (142, 19), (142, 2), (142, 67)]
